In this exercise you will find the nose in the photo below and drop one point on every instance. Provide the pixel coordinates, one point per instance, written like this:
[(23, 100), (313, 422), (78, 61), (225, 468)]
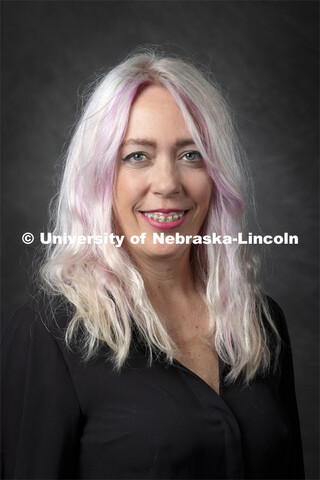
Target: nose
[(166, 179)]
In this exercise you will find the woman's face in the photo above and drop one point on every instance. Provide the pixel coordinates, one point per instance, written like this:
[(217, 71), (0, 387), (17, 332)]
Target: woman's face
[(162, 184)]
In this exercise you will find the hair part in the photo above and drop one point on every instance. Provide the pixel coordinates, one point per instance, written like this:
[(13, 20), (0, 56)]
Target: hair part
[(101, 281)]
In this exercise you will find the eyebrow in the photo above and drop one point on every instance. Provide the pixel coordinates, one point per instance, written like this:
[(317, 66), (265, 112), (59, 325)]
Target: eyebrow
[(183, 142)]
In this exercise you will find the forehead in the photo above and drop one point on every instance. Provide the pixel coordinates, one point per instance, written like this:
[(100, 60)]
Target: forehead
[(155, 112), (153, 96)]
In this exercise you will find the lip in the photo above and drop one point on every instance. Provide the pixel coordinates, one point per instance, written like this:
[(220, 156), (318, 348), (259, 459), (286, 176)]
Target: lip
[(162, 225)]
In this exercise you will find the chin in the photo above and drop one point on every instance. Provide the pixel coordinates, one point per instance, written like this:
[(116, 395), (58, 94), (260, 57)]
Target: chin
[(160, 252)]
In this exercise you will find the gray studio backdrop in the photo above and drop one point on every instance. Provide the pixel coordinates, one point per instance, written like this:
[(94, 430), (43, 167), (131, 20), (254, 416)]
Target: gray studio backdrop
[(263, 54)]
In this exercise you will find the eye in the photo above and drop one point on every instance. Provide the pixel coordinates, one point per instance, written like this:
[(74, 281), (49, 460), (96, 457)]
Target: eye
[(135, 157), (192, 156)]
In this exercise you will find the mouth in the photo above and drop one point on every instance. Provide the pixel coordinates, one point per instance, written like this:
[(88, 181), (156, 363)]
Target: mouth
[(164, 219)]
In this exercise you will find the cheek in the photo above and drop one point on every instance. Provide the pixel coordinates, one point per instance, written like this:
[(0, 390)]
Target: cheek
[(200, 189), (128, 192), (123, 191)]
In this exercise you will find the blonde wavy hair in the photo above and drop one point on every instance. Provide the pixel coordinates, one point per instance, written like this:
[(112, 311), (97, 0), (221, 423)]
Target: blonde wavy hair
[(101, 282)]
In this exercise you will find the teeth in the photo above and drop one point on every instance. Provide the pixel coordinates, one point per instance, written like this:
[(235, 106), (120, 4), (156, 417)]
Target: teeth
[(160, 218)]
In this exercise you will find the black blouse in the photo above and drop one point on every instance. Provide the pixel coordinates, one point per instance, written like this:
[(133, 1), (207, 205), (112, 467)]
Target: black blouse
[(64, 418)]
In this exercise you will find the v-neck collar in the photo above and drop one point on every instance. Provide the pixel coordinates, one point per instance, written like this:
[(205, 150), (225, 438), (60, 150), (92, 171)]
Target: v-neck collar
[(188, 370), (139, 345)]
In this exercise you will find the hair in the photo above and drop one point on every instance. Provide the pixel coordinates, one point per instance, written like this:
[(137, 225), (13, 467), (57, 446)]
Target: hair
[(100, 281)]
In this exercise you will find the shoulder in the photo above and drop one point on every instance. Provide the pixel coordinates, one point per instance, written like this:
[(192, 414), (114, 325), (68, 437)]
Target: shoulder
[(42, 318), (279, 320), (33, 350), (279, 345)]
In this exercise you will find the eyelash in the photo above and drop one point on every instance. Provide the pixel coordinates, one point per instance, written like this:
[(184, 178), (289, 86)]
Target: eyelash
[(194, 152), (131, 155)]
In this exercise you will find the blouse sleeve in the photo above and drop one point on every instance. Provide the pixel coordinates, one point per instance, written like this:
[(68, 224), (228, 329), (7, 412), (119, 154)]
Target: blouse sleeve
[(40, 410), (288, 394)]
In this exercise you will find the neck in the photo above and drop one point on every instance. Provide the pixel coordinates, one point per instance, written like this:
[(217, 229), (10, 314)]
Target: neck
[(166, 278), (173, 294)]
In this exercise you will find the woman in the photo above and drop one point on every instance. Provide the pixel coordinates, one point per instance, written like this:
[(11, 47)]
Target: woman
[(145, 359)]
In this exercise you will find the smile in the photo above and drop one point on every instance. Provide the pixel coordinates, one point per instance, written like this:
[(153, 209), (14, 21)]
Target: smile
[(165, 220), (161, 217)]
